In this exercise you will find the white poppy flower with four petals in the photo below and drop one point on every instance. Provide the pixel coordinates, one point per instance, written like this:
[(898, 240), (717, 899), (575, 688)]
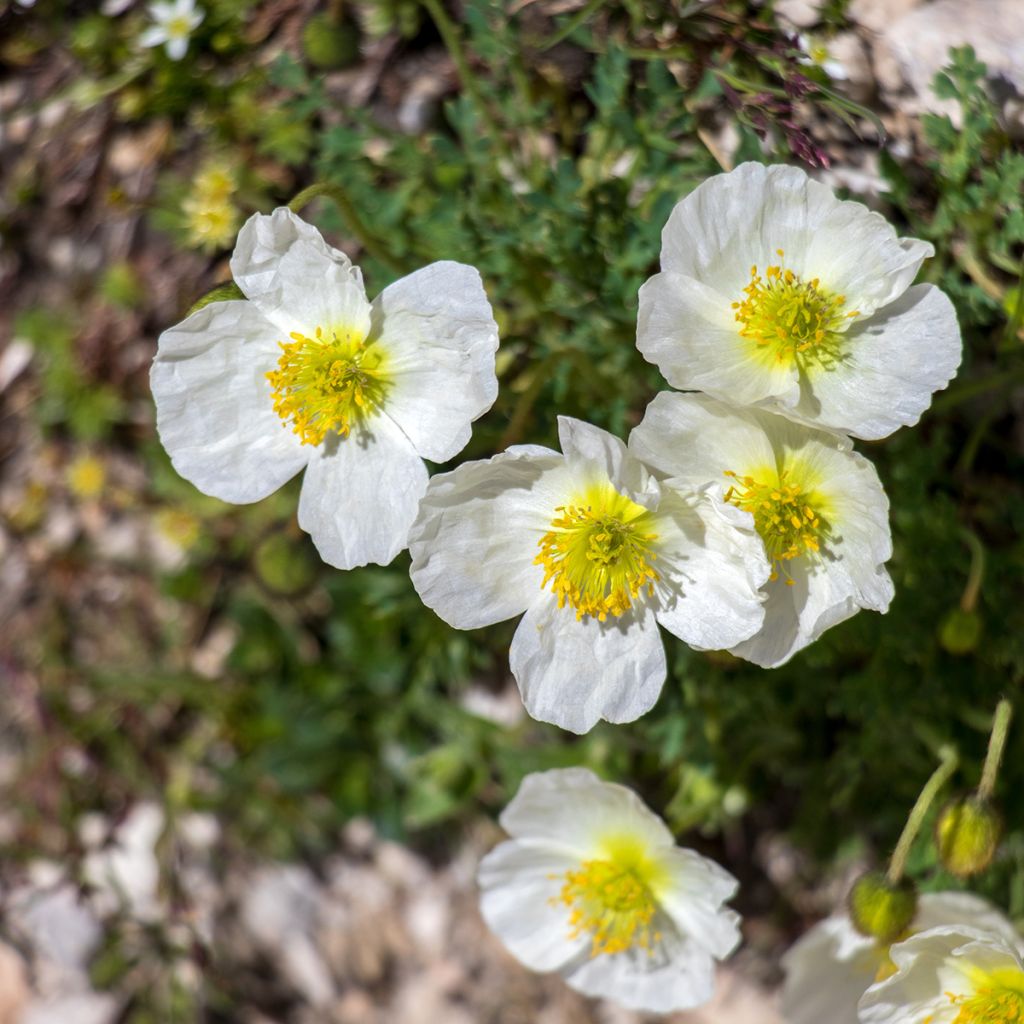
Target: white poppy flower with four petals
[(818, 507), (592, 885), (305, 373), (596, 553), (775, 293)]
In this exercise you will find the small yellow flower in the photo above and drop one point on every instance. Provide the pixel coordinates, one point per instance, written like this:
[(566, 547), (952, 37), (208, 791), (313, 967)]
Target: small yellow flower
[(86, 477)]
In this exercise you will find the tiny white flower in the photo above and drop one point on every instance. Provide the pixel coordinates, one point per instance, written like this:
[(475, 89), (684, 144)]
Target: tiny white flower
[(592, 885), (175, 22), (953, 974), (306, 373), (596, 553), (775, 293), (817, 54), (833, 965), (817, 505)]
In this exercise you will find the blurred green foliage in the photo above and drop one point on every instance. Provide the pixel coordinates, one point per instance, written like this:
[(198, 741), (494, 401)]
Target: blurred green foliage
[(343, 695)]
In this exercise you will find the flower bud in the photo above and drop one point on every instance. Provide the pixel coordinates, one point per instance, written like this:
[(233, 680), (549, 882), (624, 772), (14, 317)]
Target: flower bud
[(960, 631), (881, 909), (967, 835)]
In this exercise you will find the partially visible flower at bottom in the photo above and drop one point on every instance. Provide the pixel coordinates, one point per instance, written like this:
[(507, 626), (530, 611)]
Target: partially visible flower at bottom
[(592, 885), (950, 975), (833, 965)]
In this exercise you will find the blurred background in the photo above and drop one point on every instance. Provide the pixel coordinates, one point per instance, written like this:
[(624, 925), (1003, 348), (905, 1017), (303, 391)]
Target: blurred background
[(239, 785)]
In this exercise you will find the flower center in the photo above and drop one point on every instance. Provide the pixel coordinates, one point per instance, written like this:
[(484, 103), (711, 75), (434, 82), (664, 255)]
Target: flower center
[(784, 517), (178, 27), (597, 554), (323, 384), (793, 319), (999, 1001), (612, 903)]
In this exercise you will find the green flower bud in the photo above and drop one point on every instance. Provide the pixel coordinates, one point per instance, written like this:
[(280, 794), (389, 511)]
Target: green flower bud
[(881, 909), (330, 44), (967, 835), (960, 631)]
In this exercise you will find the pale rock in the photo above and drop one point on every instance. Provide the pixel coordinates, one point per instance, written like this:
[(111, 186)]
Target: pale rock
[(14, 992), (799, 13), (77, 1008), (877, 15), (848, 49), (58, 926)]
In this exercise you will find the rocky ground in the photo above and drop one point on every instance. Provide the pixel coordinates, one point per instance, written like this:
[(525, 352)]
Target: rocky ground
[(375, 934)]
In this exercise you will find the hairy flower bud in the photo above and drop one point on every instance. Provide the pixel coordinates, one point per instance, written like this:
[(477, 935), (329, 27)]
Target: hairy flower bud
[(882, 909), (967, 835)]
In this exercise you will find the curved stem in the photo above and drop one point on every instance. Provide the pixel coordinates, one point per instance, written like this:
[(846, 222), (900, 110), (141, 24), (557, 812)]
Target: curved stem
[(996, 745), (947, 765), (337, 195), (975, 574)]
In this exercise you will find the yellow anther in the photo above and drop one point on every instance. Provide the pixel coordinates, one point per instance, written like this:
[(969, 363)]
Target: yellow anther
[(597, 555), (327, 382), (998, 999)]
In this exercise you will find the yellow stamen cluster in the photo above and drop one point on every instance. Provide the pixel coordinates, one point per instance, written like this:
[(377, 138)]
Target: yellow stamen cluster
[(612, 903), (784, 517), (999, 1001), (179, 27), (796, 320), (597, 555), (325, 384)]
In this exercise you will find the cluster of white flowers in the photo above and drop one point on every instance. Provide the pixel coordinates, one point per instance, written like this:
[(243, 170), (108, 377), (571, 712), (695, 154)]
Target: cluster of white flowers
[(738, 518), (959, 964)]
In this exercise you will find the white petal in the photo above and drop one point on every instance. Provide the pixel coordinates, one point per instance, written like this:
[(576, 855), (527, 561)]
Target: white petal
[(573, 673), (177, 47), (475, 539), (519, 887), (739, 219), (599, 454), (695, 439), (893, 363), (155, 35), (712, 565), (688, 330), (361, 493), (575, 810), (964, 908), (827, 971), (693, 898), (678, 975), (214, 411), (438, 330), (295, 278)]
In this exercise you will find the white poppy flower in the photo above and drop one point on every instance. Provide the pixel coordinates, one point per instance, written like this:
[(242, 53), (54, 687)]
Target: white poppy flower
[(775, 293), (175, 22), (833, 965), (953, 974), (817, 54), (817, 505), (308, 374), (592, 885), (596, 553)]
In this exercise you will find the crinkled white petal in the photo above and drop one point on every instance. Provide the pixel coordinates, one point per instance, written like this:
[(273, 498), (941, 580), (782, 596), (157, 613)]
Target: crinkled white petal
[(155, 35), (677, 976), (936, 909), (694, 439), (519, 887), (573, 809), (475, 539), (712, 566), (361, 493), (687, 328), (214, 411), (693, 898), (296, 279), (177, 47), (573, 673), (736, 220), (891, 366), (596, 454), (931, 967), (440, 337)]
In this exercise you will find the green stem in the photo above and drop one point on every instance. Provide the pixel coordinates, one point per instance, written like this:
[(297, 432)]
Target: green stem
[(352, 219), (572, 24), (996, 745), (975, 574), (948, 760)]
